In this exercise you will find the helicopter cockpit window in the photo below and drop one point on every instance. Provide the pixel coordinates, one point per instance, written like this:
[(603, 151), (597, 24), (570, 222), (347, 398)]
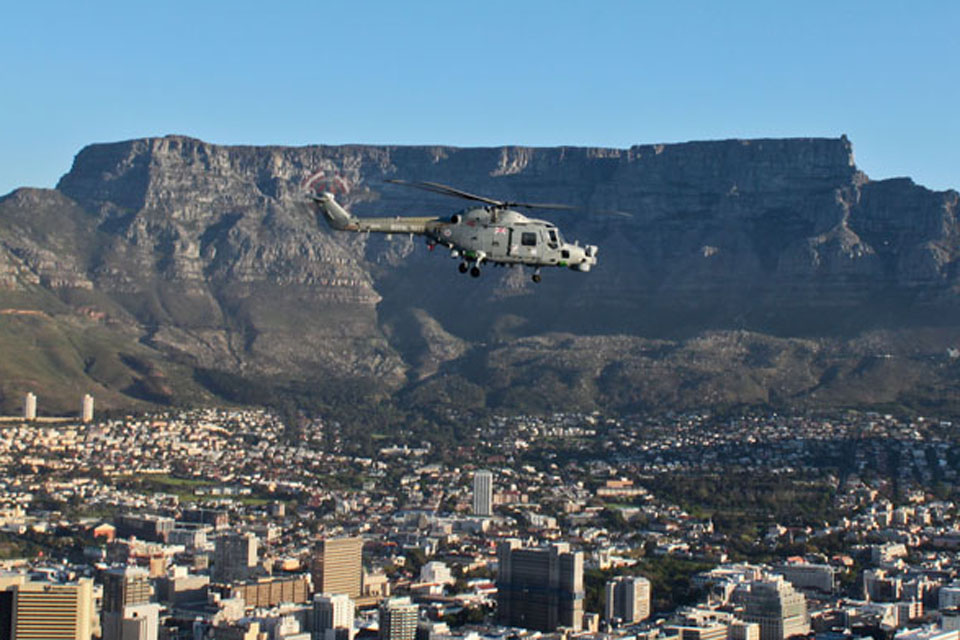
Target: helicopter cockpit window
[(528, 239), (554, 242)]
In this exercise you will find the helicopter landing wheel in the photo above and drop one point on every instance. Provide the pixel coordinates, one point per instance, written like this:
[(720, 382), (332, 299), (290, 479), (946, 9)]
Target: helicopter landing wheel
[(463, 267), (536, 275), (475, 271)]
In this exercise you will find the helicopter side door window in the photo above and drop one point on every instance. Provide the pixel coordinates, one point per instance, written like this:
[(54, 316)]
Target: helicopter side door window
[(528, 239)]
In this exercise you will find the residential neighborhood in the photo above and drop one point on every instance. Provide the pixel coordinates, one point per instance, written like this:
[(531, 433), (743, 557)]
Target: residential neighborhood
[(234, 523)]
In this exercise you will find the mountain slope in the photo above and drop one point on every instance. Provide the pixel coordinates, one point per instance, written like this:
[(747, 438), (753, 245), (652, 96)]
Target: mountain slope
[(751, 271)]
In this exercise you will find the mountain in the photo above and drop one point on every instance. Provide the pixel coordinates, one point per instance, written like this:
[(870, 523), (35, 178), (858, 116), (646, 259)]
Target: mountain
[(173, 271)]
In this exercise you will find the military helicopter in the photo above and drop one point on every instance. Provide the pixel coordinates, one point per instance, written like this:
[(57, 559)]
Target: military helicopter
[(493, 233)]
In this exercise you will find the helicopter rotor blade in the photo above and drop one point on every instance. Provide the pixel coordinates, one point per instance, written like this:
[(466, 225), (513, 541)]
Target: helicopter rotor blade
[(541, 205), (442, 189), (436, 187)]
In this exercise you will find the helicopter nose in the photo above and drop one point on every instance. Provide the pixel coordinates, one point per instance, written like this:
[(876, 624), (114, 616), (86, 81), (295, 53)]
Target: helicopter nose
[(583, 258)]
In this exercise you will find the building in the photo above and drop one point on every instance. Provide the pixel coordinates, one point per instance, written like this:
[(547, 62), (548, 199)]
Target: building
[(744, 631), (482, 493), (51, 611), (182, 588), (135, 622), (398, 619), (269, 591), (821, 577), (145, 527), (235, 557), (927, 633), (949, 596), (438, 572), (627, 599), (539, 588), (30, 406), (123, 616), (776, 606), (709, 631), (125, 587), (86, 408), (338, 566), (333, 617), (219, 518)]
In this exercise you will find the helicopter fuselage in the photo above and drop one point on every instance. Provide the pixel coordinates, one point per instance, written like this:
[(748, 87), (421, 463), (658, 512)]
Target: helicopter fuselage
[(505, 236)]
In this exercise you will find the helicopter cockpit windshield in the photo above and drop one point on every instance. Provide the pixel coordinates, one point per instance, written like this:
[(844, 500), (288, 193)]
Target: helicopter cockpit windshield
[(554, 238)]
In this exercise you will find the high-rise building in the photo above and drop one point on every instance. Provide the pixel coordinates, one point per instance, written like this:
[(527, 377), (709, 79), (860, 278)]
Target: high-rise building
[(48, 611), (776, 606), (539, 588), (333, 616), (123, 616), (86, 408), (235, 556), (338, 566), (627, 599), (398, 619), (482, 493), (30, 406), (125, 587)]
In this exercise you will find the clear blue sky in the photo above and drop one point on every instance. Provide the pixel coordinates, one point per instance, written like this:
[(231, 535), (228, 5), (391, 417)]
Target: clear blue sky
[(482, 73)]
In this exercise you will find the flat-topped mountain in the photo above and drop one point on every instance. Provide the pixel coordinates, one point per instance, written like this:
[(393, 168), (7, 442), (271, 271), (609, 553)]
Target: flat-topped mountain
[(173, 270)]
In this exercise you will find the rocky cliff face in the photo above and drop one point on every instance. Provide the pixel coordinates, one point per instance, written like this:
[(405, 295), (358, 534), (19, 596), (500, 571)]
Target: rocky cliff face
[(205, 258)]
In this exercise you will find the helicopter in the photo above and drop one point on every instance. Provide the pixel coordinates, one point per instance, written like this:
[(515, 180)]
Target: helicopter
[(490, 233)]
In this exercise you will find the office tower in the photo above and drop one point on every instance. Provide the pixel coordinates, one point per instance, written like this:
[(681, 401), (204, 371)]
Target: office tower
[(333, 616), (124, 590), (30, 406), (482, 493), (338, 566), (125, 587), (86, 408), (539, 588), (398, 619), (235, 557), (628, 599), (773, 603), (53, 611)]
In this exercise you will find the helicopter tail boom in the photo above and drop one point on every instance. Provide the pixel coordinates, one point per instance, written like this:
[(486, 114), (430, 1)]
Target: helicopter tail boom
[(336, 216), (341, 220)]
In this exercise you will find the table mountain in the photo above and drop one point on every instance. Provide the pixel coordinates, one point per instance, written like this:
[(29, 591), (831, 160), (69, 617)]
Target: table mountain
[(171, 270)]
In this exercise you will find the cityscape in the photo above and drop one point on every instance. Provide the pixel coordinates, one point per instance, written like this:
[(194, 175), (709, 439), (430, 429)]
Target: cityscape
[(233, 523), (480, 321)]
